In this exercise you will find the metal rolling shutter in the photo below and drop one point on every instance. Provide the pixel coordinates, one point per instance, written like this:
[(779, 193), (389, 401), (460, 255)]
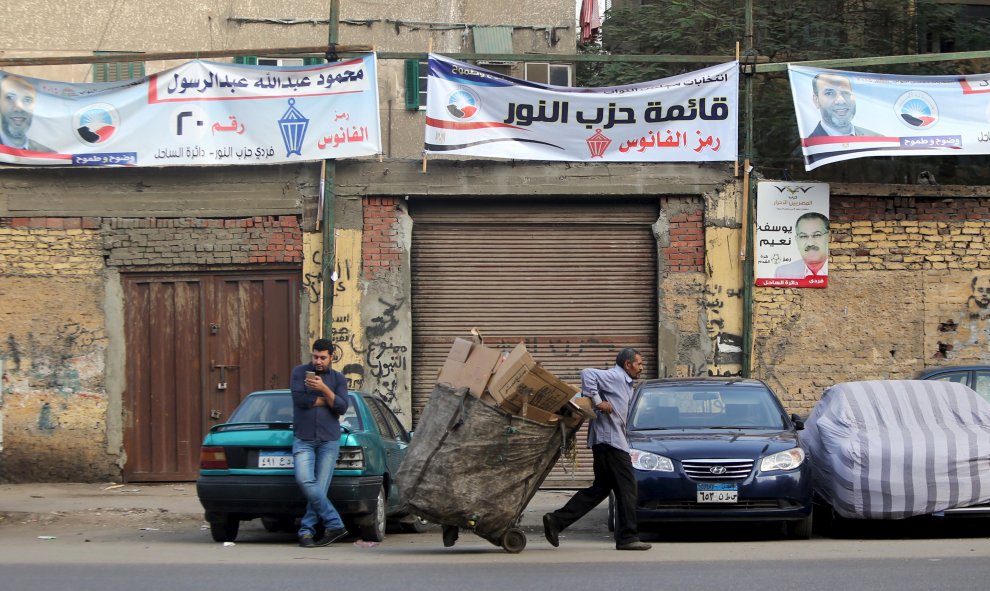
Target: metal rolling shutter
[(574, 280)]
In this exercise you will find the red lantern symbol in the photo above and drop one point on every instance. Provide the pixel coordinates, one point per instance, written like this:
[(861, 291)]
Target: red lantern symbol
[(597, 144)]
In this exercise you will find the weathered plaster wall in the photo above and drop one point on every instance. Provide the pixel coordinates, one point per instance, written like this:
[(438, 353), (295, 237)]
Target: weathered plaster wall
[(54, 345), (386, 303), (908, 288), (723, 310), (680, 237)]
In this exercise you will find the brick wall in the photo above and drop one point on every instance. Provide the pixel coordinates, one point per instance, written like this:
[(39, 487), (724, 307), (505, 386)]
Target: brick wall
[(906, 282), (687, 236), (381, 249), (49, 246), (185, 241)]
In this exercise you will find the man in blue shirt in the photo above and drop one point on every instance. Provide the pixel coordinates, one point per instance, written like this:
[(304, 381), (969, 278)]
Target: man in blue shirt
[(319, 399), (610, 392)]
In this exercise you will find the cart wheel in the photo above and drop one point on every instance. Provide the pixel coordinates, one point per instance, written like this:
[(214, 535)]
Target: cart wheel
[(449, 535), (513, 541)]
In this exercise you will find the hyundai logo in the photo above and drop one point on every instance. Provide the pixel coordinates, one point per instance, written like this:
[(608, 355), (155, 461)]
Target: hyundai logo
[(717, 470)]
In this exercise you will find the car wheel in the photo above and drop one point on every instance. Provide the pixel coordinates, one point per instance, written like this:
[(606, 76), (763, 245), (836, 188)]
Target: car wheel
[(799, 530), (375, 531), (417, 525), (611, 512), (226, 530)]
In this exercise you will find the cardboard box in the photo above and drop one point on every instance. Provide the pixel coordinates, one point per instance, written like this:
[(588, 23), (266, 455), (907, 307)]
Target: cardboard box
[(469, 365), (520, 379)]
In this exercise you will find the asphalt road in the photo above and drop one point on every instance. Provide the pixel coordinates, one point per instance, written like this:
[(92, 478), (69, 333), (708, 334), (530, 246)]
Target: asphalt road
[(771, 573), (86, 538)]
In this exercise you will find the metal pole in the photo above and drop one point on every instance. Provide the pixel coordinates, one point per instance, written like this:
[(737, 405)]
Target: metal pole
[(328, 207), (749, 205)]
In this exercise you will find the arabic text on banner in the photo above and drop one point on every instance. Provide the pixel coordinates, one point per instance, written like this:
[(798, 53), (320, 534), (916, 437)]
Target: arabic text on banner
[(793, 234), (687, 118), (200, 113), (844, 115)]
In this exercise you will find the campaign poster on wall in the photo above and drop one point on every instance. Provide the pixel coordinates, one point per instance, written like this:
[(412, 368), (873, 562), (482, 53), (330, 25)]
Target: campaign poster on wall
[(686, 118), (792, 234), (844, 115), (199, 113)]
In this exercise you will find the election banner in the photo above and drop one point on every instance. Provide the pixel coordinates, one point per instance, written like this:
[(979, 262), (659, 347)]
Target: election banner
[(844, 115), (200, 113), (692, 117), (792, 234)]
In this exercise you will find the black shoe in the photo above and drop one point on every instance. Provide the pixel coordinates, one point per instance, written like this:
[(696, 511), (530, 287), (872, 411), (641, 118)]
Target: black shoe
[(550, 530), (306, 541), (331, 536), (635, 545)]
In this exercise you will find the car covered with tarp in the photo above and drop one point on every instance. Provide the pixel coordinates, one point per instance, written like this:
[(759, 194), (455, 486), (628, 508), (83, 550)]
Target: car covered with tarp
[(893, 449)]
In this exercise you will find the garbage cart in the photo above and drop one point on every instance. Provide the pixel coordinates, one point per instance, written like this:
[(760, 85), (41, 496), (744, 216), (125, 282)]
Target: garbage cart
[(473, 465)]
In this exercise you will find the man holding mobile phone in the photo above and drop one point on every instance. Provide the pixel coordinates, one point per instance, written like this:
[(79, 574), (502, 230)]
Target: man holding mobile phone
[(319, 399)]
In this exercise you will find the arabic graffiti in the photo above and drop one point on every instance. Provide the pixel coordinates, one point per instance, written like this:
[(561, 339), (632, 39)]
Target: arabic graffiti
[(387, 359)]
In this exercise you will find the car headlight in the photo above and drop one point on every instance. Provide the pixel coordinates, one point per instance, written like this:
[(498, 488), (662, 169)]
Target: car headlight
[(644, 460), (785, 460)]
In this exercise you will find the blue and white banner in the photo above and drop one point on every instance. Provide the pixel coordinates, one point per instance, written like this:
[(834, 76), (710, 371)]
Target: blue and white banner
[(844, 115), (200, 113), (687, 118)]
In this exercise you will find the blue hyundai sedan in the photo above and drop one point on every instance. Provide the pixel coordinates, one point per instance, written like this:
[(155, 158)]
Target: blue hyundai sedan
[(717, 449)]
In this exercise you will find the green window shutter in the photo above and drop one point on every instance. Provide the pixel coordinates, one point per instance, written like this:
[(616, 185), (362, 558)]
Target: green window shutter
[(312, 61), (113, 71), (412, 85), (247, 60)]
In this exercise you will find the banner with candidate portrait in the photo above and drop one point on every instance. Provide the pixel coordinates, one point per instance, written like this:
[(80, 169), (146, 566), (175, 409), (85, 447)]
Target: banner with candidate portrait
[(200, 113), (844, 115), (792, 234), (687, 118)]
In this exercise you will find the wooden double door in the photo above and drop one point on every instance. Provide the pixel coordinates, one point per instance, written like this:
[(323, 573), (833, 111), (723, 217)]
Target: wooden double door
[(197, 344)]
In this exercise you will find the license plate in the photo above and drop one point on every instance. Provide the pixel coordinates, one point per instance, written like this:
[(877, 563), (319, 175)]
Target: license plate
[(275, 459), (718, 493)]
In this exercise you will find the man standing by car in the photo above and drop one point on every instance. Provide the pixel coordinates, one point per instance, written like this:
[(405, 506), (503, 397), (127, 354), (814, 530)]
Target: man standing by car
[(319, 399), (610, 392)]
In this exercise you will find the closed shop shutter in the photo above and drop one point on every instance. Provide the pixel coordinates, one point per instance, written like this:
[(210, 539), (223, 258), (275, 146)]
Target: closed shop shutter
[(574, 280)]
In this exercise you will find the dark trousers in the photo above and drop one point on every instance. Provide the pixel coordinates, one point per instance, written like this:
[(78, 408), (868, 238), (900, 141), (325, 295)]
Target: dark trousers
[(613, 472)]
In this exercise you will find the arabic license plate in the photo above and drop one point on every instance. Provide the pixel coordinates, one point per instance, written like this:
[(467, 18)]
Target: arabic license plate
[(275, 459), (717, 493)]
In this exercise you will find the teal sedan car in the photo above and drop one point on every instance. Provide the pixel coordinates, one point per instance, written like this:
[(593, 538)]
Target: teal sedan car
[(246, 468)]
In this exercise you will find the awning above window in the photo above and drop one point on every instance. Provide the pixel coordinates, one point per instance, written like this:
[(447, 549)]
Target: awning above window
[(492, 39)]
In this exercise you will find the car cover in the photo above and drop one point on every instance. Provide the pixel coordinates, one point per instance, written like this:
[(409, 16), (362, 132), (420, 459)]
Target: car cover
[(890, 449), (471, 464)]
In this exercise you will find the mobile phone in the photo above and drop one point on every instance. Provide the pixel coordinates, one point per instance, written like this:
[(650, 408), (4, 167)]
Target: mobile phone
[(310, 374)]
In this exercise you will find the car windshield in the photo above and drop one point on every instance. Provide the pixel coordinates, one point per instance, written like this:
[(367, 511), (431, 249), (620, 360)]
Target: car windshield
[(705, 406), (277, 408)]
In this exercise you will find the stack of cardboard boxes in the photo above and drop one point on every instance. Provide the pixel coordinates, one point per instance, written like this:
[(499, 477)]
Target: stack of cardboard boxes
[(514, 382)]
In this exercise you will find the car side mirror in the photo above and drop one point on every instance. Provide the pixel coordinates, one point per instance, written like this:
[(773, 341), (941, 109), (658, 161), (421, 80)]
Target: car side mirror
[(798, 421)]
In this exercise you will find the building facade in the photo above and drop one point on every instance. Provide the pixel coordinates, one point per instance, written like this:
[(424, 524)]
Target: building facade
[(140, 305)]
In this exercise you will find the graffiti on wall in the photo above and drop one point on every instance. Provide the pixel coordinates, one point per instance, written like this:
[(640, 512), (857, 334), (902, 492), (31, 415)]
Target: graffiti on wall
[(69, 361), (965, 335), (387, 359), (723, 305)]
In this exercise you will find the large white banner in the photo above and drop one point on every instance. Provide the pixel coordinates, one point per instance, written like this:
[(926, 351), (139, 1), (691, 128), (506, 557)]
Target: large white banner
[(688, 118), (200, 113), (844, 115), (792, 234)]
